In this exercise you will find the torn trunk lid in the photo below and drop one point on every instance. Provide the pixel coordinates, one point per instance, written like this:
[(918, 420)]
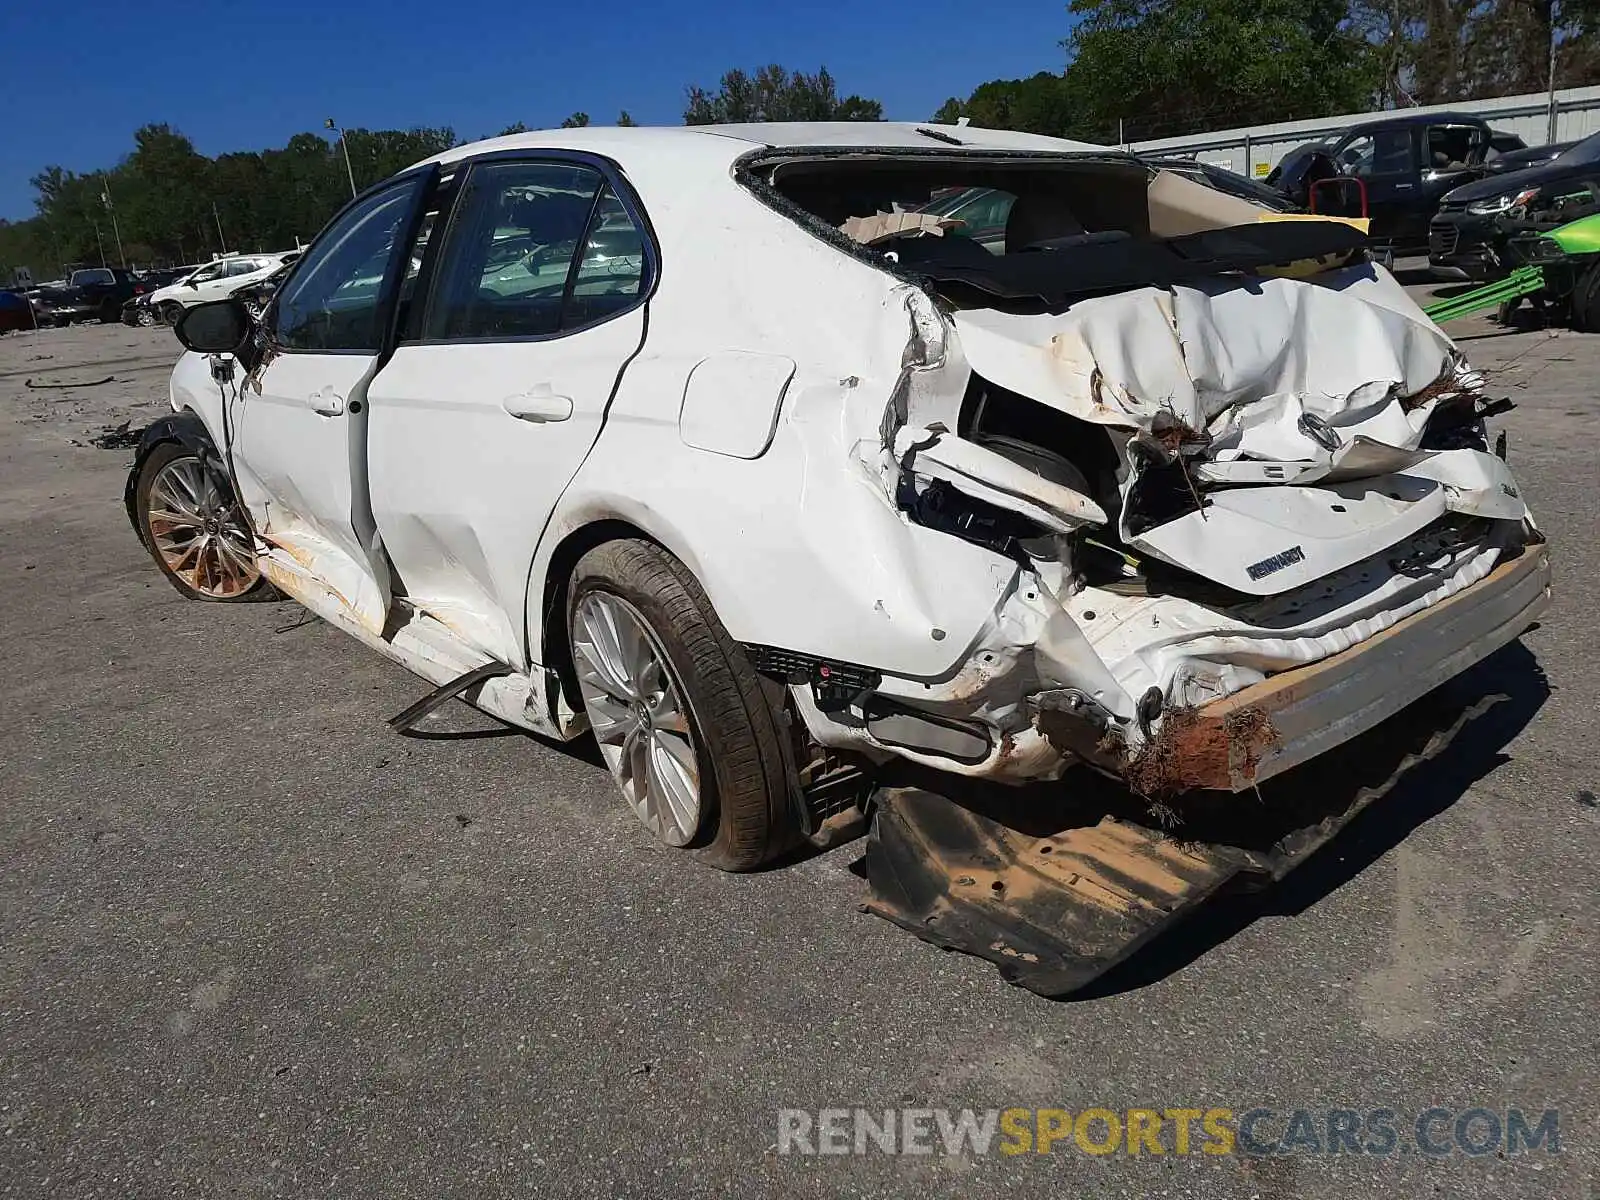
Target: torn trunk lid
[(1272, 428)]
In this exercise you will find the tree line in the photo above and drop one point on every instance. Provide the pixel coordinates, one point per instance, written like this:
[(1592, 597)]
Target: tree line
[(1138, 70), (1134, 70)]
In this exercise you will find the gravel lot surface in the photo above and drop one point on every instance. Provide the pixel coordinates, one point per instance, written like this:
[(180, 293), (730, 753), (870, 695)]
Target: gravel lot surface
[(257, 945)]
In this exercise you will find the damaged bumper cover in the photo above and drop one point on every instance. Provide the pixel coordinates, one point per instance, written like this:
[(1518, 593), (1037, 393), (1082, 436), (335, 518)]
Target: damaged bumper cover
[(1210, 703), (1241, 740)]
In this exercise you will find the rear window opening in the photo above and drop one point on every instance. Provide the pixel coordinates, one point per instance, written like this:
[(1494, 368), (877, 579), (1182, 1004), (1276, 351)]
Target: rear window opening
[(1003, 207), (1032, 233)]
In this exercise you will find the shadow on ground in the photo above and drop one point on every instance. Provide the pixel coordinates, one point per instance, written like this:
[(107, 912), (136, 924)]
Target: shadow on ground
[(1423, 792), (1072, 907)]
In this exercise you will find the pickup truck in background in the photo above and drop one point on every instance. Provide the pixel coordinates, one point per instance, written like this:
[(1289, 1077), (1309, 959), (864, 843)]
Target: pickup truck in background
[(90, 294), (1403, 164)]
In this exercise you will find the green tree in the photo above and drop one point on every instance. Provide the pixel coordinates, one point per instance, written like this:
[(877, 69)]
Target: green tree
[(1038, 104), (578, 120), (1169, 67), (625, 118), (162, 192), (775, 94)]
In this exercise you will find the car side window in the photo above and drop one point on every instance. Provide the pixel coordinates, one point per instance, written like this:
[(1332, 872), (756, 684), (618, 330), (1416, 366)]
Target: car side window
[(1383, 152), (1450, 147), (333, 299), (988, 213), (206, 274), (610, 272), (241, 266), (509, 250)]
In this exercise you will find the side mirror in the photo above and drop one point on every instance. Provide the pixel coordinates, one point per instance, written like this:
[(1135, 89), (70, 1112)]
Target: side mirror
[(221, 327)]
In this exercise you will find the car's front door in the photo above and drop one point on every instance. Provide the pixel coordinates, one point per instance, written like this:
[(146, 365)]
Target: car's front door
[(204, 285), (300, 434), (500, 383)]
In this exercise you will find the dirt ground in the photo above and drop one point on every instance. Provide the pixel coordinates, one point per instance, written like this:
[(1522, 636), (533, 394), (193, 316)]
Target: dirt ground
[(257, 945)]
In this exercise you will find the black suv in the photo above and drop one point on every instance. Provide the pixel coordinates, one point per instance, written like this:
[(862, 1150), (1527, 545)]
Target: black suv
[(92, 293), (1469, 231)]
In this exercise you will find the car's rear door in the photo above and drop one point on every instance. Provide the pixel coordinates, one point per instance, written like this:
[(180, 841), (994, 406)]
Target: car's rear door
[(1386, 161), (535, 303), (300, 433)]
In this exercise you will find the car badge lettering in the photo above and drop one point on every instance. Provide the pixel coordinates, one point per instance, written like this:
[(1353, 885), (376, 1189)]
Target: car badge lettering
[(1280, 560)]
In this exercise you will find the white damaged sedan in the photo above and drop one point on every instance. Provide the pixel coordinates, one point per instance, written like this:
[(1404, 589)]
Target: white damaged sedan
[(726, 445)]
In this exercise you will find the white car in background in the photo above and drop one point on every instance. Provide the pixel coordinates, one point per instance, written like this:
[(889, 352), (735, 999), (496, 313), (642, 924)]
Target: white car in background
[(216, 281), (711, 443)]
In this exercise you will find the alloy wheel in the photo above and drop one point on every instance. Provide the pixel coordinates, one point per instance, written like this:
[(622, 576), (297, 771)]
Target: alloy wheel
[(637, 711), (199, 531)]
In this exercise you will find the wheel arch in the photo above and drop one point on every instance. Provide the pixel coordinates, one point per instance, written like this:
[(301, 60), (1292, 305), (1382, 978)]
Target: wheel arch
[(187, 430), (548, 636)]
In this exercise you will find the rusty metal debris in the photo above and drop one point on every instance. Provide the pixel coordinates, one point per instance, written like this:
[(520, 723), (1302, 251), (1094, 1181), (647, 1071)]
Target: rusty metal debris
[(1193, 749), (1209, 747), (1169, 438), (1052, 910), (1056, 894)]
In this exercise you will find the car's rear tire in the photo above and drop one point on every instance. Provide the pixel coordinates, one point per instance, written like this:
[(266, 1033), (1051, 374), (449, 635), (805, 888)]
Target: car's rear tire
[(192, 528), (677, 709), (110, 311)]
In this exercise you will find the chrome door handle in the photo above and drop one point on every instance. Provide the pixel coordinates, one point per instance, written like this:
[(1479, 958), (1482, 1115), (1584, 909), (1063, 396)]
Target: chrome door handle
[(539, 404), (327, 402)]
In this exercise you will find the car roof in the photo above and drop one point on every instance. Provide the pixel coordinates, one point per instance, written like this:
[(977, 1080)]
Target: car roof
[(683, 173), (644, 139), (1430, 118)]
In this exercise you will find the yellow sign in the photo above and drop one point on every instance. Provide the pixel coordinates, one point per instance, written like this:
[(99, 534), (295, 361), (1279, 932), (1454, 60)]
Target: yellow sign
[(1262, 170)]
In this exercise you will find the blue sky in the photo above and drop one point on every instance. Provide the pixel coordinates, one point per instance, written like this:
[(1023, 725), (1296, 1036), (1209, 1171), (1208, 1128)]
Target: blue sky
[(84, 74)]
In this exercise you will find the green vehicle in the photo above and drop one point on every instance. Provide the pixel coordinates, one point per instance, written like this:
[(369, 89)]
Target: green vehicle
[(1558, 272)]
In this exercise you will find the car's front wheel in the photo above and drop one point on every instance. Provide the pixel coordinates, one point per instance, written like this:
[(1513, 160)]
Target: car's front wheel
[(171, 310), (677, 709), (144, 315), (193, 529)]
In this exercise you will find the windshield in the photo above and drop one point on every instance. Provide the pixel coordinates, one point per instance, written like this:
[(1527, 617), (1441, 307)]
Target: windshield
[(96, 275)]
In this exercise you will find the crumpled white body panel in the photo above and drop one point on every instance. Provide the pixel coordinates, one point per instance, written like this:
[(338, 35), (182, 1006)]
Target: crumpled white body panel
[(1242, 359)]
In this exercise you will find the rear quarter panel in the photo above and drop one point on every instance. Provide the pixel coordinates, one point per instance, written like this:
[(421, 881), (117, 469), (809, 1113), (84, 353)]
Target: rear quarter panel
[(801, 546)]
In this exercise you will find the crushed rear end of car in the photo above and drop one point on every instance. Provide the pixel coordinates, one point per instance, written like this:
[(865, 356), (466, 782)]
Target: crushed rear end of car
[(1249, 494)]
